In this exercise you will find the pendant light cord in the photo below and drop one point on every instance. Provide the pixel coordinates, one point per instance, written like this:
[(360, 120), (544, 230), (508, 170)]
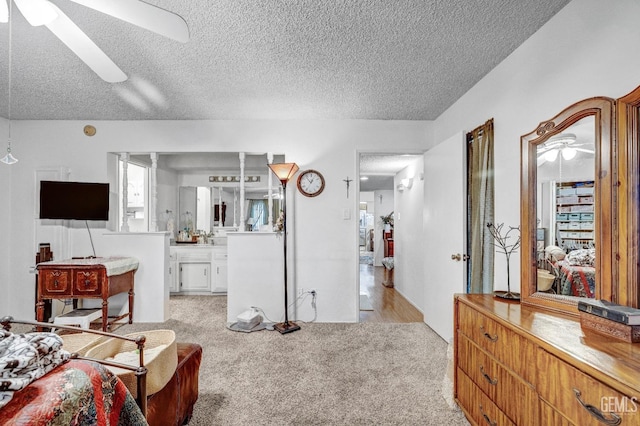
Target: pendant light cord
[(10, 69), (9, 158)]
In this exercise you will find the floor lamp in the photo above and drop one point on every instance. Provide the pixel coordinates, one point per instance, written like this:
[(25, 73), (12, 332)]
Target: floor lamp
[(284, 172)]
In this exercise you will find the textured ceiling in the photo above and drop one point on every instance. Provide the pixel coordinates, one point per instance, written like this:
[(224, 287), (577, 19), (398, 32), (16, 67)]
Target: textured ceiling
[(380, 169), (271, 59)]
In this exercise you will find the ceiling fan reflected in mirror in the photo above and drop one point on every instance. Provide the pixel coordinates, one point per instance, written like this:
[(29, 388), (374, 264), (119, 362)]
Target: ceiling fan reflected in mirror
[(141, 14), (564, 144)]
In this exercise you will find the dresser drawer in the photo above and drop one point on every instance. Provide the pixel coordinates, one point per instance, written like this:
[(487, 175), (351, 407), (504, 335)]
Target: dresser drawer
[(479, 407), (549, 416), (87, 283), (506, 346), (500, 385), (55, 282), (568, 390)]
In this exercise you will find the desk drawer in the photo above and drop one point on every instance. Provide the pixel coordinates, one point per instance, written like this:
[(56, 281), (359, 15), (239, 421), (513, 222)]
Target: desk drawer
[(501, 386), (55, 282), (503, 344), (87, 283), (559, 382)]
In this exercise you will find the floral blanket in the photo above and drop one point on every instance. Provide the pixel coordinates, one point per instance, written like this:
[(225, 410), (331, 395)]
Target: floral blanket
[(40, 386), (78, 392), (577, 280)]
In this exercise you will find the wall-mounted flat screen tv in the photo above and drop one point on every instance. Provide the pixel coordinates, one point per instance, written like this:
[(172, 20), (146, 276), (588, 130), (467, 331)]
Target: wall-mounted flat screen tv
[(74, 200)]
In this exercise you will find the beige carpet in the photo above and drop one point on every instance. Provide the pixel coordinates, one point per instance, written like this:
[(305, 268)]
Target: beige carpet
[(324, 374)]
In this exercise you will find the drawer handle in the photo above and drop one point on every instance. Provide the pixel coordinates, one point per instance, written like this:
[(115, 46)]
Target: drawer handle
[(487, 335), (614, 420), (488, 378), (87, 282), (55, 283), (486, 418)]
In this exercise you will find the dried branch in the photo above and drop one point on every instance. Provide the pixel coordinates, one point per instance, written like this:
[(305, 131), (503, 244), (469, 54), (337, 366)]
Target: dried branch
[(502, 241)]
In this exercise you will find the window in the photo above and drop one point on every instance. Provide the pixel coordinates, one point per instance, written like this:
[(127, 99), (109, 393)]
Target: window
[(137, 197)]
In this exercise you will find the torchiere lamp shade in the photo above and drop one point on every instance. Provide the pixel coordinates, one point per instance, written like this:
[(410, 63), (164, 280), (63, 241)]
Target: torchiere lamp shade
[(284, 171)]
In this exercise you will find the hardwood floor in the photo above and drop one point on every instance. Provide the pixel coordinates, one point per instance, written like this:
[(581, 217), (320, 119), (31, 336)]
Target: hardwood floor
[(388, 305)]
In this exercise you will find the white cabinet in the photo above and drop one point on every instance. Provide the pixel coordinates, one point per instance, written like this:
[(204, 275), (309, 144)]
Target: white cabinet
[(198, 269), (174, 285), (219, 284), (195, 276)]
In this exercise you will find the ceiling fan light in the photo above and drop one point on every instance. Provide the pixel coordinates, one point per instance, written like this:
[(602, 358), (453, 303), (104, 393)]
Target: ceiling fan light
[(569, 153), (37, 12), (4, 11), (551, 155)]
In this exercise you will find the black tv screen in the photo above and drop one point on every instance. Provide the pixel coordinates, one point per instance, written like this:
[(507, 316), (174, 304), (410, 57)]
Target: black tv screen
[(74, 200)]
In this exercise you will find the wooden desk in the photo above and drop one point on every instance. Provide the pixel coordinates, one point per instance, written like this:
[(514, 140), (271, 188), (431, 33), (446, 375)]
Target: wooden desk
[(97, 278)]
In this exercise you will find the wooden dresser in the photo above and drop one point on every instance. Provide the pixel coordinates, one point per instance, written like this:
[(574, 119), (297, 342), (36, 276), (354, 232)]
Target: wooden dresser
[(520, 365)]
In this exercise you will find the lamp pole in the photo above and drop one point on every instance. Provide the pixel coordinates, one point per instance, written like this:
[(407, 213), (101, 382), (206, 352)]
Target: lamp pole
[(284, 171)]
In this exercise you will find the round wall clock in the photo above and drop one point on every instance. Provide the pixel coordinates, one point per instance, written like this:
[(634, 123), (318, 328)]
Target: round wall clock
[(310, 183)]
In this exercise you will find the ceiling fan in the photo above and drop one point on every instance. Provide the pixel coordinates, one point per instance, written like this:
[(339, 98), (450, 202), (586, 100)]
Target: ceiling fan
[(144, 15), (564, 144)]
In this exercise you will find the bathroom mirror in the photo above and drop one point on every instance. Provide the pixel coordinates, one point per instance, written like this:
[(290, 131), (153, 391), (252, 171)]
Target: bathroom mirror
[(567, 207), (200, 207), (190, 187)]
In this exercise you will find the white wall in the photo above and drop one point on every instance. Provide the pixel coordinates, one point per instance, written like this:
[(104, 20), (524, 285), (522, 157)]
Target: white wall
[(324, 244), (588, 49), (408, 239), (6, 186)]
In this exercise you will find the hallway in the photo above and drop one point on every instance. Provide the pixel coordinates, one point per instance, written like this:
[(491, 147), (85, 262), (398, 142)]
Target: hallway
[(388, 305)]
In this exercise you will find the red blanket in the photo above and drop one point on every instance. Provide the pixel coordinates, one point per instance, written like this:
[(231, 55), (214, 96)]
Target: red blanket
[(75, 393)]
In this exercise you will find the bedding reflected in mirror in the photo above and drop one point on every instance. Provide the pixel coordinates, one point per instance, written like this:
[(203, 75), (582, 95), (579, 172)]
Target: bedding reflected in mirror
[(566, 249)]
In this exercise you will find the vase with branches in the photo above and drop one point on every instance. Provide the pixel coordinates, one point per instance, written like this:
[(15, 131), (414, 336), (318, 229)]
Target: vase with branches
[(502, 241)]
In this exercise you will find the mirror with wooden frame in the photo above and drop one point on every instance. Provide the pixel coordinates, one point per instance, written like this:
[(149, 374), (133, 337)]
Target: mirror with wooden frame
[(567, 207)]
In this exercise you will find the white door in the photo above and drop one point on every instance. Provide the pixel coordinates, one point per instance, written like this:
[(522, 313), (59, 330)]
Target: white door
[(445, 231)]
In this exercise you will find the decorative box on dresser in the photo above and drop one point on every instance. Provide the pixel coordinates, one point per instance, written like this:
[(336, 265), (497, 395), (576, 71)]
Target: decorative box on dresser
[(525, 366)]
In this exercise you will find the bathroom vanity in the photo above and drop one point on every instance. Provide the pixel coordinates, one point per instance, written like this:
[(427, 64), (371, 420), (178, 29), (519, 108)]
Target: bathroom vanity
[(197, 269)]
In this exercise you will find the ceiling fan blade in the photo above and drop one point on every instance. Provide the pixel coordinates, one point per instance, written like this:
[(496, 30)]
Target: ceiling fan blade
[(590, 151), (37, 12), (143, 15), (4, 12), (85, 48), (541, 160)]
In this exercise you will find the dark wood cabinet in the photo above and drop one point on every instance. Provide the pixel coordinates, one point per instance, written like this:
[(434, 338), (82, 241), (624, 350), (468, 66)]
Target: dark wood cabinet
[(388, 243), (86, 278)]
